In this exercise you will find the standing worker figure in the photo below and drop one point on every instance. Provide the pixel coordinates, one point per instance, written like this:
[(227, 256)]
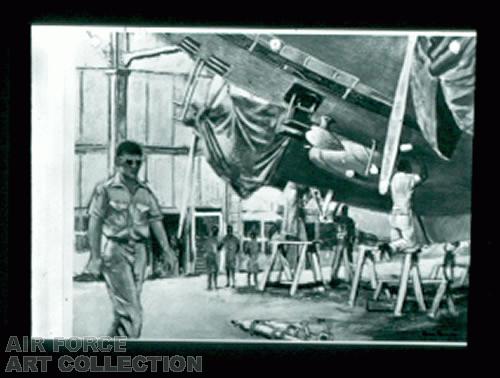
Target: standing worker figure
[(346, 231), (345, 236), (175, 244), (403, 183), (252, 249), (449, 262), (294, 226), (231, 245), (210, 247), (122, 210)]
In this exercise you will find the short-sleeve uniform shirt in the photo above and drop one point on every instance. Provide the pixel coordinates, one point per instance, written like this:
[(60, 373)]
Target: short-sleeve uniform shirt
[(125, 215), (402, 187)]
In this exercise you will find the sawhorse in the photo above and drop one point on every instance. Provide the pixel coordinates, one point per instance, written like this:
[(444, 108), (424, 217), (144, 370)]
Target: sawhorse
[(446, 287), (444, 291), (314, 260), (365, 254), (409, 267)]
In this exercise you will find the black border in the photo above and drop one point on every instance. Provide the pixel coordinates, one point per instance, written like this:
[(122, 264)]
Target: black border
[(16, 192)]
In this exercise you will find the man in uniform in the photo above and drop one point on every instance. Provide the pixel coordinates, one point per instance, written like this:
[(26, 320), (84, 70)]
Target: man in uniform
[(294, 227), (346, 231), (252, 250), (121, 213), (403, 183), (231, 245), (449, 261), (211, 251)]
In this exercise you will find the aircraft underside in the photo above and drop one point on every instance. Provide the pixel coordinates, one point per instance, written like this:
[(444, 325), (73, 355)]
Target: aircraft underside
[(332, 98)]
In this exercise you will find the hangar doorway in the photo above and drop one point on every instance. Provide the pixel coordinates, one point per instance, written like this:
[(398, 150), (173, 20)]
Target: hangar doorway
[(204, 220), (170, 223)]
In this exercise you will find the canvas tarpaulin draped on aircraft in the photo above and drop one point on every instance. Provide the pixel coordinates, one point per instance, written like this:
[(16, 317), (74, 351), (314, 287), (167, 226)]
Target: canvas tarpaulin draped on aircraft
[(240, 140), (442, 84)]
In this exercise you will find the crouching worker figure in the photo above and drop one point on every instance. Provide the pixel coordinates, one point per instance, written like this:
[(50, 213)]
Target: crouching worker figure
[(252, 250), (403, 183), (210, 248), (122, 211)]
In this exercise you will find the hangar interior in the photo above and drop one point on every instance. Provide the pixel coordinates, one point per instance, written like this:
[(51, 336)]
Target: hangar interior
[(132, 86)]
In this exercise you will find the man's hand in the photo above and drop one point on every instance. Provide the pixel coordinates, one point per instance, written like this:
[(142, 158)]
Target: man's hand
[(170, 259), (160, 234), (93, 267)]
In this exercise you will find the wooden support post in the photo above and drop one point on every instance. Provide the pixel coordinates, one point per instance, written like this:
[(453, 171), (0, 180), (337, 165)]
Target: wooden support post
[(370, 157), (280, 269), (396, 118), (313, 267), (268, 269), (382, 286), (403, 284), (316, 256), (285, 266), (191, 87), (387, 293), (373, 277), (118, 82), (341, 257), (186, 198), (336, 264), (188, 179), (357, 276), (378, 290), (438, 298), (417, 284), (188, 183), (315, 262), (435, 271), (327, 200), (451, 305), (465, 276), (347, 265), (298, 270), (410, 267), (280, 273), (443, 291)]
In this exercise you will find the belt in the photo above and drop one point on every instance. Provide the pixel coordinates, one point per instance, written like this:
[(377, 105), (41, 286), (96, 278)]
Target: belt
[(126, 241)]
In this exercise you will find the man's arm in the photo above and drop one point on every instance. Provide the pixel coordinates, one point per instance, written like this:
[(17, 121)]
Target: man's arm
[(94, 234), (159, 232), (161, 236), (97, 210)]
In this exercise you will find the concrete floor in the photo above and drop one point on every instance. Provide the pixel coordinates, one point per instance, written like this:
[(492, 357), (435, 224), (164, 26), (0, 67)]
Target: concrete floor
[(182, 308)]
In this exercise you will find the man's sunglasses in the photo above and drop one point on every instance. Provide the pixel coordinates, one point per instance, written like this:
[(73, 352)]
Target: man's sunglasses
[(132, 162)]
